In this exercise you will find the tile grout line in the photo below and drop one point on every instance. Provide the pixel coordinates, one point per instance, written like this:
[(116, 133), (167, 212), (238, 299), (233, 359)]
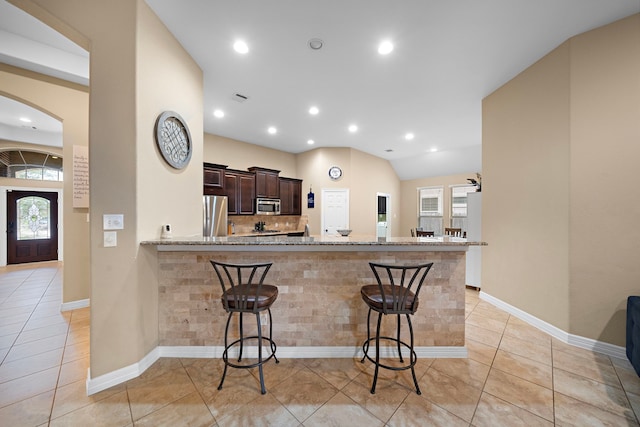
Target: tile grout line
[(28, 318), (484, 384), (55, 390)]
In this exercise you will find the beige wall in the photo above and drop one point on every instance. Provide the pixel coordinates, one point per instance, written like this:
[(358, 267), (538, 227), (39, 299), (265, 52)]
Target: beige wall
[(605, 149), (166, 195), (133, 79), (68, 103), (409, 198), (243, 155), (363, 174), (371, 175), (559, 141), (167, 78)]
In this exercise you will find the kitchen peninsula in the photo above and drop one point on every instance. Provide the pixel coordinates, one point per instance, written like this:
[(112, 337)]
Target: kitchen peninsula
[(319, 312)]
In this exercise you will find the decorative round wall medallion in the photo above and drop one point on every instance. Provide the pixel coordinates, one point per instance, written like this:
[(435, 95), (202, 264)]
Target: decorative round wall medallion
[(173, 139), (335, 172)]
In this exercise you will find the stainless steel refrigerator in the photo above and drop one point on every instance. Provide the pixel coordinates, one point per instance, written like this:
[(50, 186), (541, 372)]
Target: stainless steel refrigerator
[(214, 213)]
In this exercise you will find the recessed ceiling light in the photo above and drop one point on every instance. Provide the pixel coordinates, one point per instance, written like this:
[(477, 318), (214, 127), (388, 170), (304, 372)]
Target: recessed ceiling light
[(385, 47), (240, 47), (272, 130), (314, 110), (25, 120), (311, 142), (353, 128), (433, 150), (218, 113), (316, 44), (409, 136)]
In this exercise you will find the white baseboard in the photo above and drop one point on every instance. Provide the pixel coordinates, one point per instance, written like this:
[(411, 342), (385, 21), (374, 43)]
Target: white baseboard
[(74, 305), (575, 340), (103, 382), (310, 352)]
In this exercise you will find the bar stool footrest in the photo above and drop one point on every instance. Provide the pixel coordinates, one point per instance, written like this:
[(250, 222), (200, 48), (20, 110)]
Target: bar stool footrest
[(265, 359), (413, 357)]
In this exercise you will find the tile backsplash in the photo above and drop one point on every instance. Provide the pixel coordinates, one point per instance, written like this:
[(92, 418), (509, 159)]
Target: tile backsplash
[(244, 224)]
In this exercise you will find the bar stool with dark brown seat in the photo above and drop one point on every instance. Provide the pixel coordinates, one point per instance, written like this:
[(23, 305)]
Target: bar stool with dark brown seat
[(396, 293), (244, 291), (422, 233)]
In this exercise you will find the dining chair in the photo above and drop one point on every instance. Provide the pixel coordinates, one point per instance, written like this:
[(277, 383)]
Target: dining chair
[(421, 233), (455, 232)]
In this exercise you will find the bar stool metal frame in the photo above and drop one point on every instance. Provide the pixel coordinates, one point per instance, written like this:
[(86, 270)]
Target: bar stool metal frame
[(396, 293), (244, 291)]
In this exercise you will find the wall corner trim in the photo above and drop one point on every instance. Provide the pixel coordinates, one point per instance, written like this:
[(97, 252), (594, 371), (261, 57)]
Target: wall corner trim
[(74, 305), (103, 382)]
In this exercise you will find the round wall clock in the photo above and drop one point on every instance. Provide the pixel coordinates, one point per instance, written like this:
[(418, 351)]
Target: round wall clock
[(335, 172), (173, 139)]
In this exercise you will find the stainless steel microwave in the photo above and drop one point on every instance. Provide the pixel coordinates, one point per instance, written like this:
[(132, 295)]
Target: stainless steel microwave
[(267, 206)]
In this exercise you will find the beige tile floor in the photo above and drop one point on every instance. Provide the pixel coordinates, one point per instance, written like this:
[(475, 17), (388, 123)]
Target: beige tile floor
[(515, 376)]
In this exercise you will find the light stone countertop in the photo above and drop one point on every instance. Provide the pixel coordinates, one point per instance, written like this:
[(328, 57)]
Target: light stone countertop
[(281, 240)]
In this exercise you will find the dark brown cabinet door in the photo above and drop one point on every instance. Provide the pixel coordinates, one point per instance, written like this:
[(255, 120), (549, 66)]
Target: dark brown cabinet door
[(32, 226), (285, 199), (231, 191), (246, 194), (267, 182), (213, 179), (240, 191), (290, 196), (296, 197)]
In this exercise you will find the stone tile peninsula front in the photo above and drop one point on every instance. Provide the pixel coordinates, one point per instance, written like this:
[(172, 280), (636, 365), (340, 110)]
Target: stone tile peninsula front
[(319, 311)]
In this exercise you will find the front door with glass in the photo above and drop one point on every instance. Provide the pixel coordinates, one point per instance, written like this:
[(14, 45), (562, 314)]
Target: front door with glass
[(32, 226)]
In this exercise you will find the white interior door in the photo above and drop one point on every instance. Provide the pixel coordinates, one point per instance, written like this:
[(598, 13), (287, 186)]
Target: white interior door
[(335, 210)]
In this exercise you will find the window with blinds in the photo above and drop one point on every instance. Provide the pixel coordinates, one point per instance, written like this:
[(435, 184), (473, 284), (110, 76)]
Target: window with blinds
[(431, 201), (430, 209)]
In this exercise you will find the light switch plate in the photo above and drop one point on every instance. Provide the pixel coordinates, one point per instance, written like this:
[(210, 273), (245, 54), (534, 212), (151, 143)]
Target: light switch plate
[(112, 222), (110, 239)]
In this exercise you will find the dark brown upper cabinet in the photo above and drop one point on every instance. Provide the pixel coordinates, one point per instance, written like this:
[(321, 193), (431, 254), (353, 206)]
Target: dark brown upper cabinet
[(213, 179), (243, 187), (267, 184), (239, 187), (290, 196)]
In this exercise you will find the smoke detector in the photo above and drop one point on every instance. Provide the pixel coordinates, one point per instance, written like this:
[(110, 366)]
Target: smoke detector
[(316, 44)]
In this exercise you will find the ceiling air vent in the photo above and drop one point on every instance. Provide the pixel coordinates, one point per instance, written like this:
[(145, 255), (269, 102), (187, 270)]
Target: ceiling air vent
[(239, 97)]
